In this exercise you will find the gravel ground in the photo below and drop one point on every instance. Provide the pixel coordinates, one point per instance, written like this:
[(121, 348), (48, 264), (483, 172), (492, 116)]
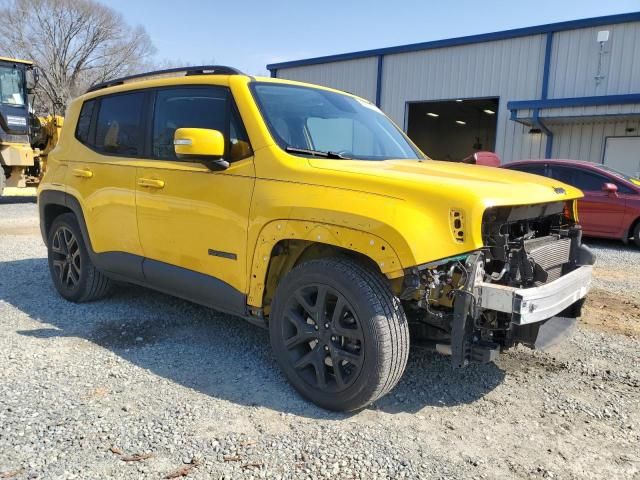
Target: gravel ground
[(617, 262), (143, 385)]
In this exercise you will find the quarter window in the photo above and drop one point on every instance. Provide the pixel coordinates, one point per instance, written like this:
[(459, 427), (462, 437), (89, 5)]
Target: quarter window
[(84, 121), (119, 125)]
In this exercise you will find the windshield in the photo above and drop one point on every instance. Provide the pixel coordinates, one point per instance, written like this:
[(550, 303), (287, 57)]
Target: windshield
[(316, 122), (11, 87), (619, 174)]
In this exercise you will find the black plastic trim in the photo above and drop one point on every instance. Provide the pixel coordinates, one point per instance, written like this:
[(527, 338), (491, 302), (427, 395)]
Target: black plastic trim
[(220, 253), (194, 286), (46, 198)]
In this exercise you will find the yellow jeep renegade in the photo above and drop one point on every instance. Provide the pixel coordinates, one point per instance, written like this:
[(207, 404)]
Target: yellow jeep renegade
[(307, 211)]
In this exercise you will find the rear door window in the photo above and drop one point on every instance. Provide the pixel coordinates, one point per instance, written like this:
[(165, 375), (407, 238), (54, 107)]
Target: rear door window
[(119, 125)]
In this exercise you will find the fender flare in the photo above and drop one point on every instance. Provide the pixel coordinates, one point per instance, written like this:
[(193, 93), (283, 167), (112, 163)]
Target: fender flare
[(63, 199), (368, 244)]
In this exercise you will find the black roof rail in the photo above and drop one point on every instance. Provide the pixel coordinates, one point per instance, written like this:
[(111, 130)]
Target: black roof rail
[(199, 70)]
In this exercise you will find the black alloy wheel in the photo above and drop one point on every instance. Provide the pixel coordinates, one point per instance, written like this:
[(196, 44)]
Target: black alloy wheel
[(323, 337), (338, 333), (66, 257), (73, 274)]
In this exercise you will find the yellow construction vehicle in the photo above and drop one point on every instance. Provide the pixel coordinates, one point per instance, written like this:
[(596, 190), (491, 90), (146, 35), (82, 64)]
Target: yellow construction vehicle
[(25, 139)]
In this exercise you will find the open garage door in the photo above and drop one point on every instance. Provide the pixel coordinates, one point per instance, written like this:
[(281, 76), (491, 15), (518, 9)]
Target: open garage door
[(453, 129)]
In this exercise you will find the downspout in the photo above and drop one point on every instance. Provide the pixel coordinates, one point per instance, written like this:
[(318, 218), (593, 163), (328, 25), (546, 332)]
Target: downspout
[(274, 73), (544, 95), (379, 80), (537, 122)]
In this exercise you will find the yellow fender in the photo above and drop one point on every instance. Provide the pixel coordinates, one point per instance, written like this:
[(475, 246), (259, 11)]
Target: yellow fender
[(347, 238)]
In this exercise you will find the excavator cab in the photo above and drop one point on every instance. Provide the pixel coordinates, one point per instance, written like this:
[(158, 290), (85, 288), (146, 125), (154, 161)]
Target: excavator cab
[(16, 154)]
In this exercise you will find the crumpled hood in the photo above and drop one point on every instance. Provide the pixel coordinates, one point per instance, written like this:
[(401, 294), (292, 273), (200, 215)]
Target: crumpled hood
[(489, 185)]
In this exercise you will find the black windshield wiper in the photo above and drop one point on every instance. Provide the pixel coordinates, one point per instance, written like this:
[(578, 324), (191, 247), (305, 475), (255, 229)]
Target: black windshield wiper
[(316, 153)]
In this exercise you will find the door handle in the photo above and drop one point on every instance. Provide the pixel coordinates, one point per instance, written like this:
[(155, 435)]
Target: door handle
[(151, 183), (82, 173)]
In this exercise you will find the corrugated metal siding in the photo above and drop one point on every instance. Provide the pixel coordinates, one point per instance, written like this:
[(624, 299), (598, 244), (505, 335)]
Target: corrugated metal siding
[(575, 62), (585, 141), (355, 76), (509, 69)]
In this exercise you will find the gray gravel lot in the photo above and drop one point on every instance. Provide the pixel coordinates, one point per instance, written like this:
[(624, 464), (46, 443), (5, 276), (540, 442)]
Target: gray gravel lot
[(619, 267), (86, 388)]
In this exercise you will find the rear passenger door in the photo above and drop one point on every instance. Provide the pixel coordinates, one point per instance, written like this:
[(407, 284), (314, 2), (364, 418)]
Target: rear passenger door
[(102, 174), (193, 221)]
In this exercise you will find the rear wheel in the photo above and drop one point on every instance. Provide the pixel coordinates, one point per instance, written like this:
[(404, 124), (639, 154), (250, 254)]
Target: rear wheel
[(72, 272), (338, 333)]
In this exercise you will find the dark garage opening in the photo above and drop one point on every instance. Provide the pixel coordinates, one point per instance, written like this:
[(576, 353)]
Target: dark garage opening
[(453, 129)]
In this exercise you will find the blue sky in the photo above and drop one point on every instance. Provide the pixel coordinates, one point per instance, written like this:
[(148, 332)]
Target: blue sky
[(250, 34)]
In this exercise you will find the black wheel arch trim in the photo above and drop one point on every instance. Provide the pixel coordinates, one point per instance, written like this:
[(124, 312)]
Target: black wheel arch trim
[(170, 279)]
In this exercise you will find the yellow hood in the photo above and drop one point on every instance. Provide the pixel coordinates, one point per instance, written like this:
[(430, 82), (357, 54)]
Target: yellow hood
[(491, 186)]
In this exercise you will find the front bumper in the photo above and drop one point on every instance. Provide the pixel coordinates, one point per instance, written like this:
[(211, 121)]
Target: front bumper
[(530, 305)]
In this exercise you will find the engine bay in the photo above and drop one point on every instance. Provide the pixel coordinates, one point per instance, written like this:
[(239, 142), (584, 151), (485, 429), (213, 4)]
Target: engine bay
[(524, 247)]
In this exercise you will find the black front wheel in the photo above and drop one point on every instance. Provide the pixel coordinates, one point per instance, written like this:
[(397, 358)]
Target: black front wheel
[(72, 272), (338, 333), (636, 234)]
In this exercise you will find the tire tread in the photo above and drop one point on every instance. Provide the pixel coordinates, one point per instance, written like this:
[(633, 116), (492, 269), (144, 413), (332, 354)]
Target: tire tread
[(392, 332)]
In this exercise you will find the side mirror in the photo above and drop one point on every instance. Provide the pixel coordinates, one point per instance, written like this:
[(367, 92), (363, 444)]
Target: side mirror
[(32, 76), (610, 188), (488, 159), (201, 145)]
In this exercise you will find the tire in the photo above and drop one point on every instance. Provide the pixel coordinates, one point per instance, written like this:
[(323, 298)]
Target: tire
[(636, 234), (360, 326), (74, 276)]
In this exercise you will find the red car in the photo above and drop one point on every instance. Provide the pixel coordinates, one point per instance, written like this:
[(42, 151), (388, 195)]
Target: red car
[(611, 204)]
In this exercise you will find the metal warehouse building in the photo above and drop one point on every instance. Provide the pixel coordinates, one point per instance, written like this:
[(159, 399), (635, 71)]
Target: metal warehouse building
[(564, 90)]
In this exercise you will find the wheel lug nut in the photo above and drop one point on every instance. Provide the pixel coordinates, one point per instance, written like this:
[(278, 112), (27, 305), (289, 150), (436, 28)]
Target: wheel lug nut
[(326, 347), (333, 339), (326, 325), (317, 327)]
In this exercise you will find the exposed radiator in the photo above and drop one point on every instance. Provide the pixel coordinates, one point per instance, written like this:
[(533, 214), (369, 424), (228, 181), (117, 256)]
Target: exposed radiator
[(550, 253)]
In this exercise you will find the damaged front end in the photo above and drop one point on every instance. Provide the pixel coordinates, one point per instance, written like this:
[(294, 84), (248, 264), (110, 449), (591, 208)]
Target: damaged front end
[(525, 286)]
